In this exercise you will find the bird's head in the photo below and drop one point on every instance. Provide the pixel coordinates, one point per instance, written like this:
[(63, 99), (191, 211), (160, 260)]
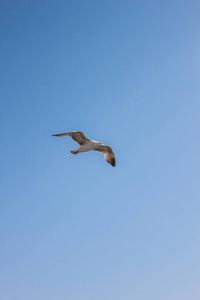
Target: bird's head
[(101, 144)]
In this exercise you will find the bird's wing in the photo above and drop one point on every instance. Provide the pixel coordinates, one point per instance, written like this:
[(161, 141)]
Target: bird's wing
[(77, 136), (108, 154)]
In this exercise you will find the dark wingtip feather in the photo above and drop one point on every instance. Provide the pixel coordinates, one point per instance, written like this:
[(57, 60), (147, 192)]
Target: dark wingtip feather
[(113, 162)]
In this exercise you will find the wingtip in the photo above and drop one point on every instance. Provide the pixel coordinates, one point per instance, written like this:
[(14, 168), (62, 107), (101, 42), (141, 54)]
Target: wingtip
[(113, 162)]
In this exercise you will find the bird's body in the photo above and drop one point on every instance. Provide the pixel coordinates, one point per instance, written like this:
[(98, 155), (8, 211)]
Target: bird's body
[(92, 145), (88, 145)]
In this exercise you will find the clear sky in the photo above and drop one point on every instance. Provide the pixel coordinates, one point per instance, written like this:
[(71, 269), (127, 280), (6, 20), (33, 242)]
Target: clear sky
[(127, 74)]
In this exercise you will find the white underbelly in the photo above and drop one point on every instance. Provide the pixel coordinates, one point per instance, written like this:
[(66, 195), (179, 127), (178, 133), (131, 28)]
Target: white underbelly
[(87, 147)]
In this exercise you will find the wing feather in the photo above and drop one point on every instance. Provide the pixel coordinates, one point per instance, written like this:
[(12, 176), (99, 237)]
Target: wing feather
[(77, 136), (108, 154)]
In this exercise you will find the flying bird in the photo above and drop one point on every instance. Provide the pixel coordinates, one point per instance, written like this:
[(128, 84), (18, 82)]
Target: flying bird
[(87, 145)]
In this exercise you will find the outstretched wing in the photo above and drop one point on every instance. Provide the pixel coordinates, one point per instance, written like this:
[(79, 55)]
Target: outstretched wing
[(108, 154), (77, 136)]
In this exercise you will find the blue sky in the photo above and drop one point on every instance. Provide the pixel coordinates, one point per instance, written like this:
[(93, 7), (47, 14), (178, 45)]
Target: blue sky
[(127, 74)]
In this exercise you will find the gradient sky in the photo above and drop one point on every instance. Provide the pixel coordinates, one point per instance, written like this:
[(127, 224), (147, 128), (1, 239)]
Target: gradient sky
[(127, 74)]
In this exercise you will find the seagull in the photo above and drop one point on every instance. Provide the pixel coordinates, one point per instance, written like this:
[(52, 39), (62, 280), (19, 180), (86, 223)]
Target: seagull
[(87, 145)]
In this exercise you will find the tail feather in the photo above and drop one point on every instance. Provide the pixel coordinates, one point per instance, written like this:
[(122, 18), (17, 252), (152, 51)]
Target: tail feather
[(75, 151)]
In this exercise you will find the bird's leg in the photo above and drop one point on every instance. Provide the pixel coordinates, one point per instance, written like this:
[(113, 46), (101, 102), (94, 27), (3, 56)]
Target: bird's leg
[(76, 151)]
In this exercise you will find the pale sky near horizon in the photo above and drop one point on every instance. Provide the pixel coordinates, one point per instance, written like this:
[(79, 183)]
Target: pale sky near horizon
[(127, 74)]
